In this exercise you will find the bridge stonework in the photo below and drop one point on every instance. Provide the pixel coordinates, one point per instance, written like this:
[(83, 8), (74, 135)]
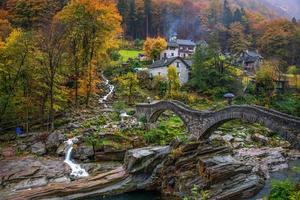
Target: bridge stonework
[(201, 123)]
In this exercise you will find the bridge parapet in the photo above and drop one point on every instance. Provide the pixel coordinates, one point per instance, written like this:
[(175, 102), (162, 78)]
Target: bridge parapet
[(201, 123)]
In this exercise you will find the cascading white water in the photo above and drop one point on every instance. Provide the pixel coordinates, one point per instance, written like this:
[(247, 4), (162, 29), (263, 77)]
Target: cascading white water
[(77, 171), (111, 90)]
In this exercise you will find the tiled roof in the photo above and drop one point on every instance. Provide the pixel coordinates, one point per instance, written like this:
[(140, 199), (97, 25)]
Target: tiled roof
[(186, 42), (167, 62)]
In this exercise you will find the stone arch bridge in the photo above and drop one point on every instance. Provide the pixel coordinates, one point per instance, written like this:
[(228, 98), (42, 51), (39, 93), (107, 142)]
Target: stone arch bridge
[(201, 123)]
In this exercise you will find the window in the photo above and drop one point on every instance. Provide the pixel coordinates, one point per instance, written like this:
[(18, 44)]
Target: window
[(172, 54), (159, 73), (178, 65), (165, 55)]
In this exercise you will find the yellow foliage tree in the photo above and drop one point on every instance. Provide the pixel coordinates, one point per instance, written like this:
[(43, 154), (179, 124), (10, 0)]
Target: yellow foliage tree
[(154, 46), (173, 81), (129, 85), (93, 27)]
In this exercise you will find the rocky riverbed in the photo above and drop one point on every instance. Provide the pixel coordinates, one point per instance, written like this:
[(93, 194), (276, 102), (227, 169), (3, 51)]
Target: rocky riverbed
[(229, 165)]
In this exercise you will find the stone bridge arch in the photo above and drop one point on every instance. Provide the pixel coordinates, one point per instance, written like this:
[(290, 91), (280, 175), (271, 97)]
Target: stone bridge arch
[(201, 123)]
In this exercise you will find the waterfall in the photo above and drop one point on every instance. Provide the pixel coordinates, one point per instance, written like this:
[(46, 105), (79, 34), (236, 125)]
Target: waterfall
[(77, 171), (111, 90)]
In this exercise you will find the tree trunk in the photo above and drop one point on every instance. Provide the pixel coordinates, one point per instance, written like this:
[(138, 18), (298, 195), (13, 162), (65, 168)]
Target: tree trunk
[(51, 112)]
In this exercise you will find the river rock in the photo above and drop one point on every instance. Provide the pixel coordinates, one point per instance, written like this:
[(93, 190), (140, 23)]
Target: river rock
[(84, 153), (61, 149), (8, 152), (209, 166), (38, 148), (71, 126), (31, 183), (228, 138), (27, 172), (173, 171), (54, 140), (265, 159), (259, 138), (110, 156), (140, 159)]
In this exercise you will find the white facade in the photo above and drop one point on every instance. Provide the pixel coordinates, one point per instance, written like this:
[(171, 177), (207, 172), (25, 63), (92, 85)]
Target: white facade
[(179, 48), (182, 69), (170, 52)]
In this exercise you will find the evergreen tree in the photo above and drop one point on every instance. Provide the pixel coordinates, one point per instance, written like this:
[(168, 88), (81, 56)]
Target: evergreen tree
[(237, 17), (198, 80), (132, 20), (148, 17), (122, 7), (123, 10), (227, 14)]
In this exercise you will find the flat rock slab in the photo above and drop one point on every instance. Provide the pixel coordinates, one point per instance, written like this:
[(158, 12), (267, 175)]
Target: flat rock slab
[(115, 181), (16, 173)]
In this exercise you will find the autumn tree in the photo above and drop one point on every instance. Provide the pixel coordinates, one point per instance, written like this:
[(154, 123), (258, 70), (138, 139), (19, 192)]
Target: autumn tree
[(50, 54), (238, 41), (160, 85), (276, 38), (5, 25), (32, 13), (173, 81), (14, 56), (92, 29), (154, 46), (129, 85), (265, 77)]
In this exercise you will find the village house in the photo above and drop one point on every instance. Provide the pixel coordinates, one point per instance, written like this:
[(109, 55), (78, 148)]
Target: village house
[(250, 60), (160, 67), (179, 48)]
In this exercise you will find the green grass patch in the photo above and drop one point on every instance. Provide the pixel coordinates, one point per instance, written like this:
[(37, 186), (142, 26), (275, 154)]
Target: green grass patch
[(167, 130), (126, 54)]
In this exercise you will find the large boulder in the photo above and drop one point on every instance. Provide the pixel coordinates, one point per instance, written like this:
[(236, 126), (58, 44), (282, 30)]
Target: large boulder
[(54, 140), (110, 156), (84, 153), (8, 152), (259, 138), (144, 159), (263, 160), (72, 126), (38, 148), (61, 150)]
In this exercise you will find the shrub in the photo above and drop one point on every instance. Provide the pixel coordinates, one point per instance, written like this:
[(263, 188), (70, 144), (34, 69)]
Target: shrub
[(281, 190), (288, 104)]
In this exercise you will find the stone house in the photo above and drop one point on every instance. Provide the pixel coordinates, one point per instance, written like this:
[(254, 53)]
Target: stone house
[(160, 67), (250, 60)]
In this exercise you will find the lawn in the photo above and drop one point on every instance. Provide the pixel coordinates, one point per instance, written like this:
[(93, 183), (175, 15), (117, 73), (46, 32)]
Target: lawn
[(126, 54)]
